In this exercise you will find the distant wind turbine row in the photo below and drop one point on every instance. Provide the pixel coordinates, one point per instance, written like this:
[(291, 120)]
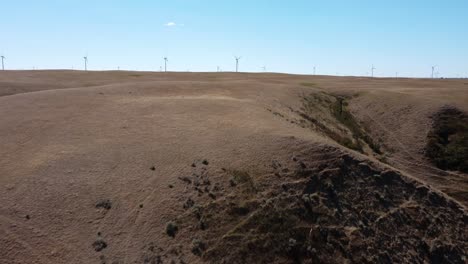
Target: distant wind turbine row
[(237, 58)]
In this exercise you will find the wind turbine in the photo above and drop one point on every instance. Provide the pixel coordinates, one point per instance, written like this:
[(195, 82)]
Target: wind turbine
[(165, 64), (3, 64), (314, 70), (433, 68), (237, 63), (264, 68), (372, 70), (85, 62)]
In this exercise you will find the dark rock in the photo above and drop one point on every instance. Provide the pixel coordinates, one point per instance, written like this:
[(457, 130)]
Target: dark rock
[(198, 247), (185, 179), (104, 204), (99, 245), (189, 203)]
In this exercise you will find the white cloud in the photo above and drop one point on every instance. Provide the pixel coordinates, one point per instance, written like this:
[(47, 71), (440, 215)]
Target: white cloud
[(170, 24)]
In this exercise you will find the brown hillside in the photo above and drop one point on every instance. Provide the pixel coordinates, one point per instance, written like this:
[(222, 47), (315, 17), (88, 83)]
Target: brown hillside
[(140, 167)]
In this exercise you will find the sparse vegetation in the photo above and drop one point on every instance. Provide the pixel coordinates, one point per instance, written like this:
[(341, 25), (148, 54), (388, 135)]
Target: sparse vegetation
[(329, 114), (243, 179), (326, 216), (358, 132), (171, 229), (309, 84), (135, 75), (447, 144)]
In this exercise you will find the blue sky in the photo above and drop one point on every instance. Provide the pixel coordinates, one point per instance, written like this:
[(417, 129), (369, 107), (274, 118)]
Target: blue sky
[(337, 37)]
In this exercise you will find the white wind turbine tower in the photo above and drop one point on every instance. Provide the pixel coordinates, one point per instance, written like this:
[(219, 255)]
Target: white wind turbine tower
[(3, 64), (237, 63), (264, 68), (85, 62), (372, 70), (433, 69), (165, 64)]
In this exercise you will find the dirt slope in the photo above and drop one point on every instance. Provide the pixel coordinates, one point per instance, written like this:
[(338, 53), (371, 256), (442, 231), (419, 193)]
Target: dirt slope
[(95, 165)]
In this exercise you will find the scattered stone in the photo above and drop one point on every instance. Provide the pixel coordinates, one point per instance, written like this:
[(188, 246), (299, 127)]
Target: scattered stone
[(28, 217), (232, 182), (240, 210), (216, 188), (153, 168), (302, 164), (198, 247), (196, 182), (99, 245), (206, 182), (202, 224), (205, 162), (141, 205), (171, 186), (104, 204), (193, 165), (185, 179), (292, 243), (189, 203)]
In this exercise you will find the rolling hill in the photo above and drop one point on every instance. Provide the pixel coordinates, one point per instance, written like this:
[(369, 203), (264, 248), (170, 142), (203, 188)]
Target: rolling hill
[(141, 167)]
